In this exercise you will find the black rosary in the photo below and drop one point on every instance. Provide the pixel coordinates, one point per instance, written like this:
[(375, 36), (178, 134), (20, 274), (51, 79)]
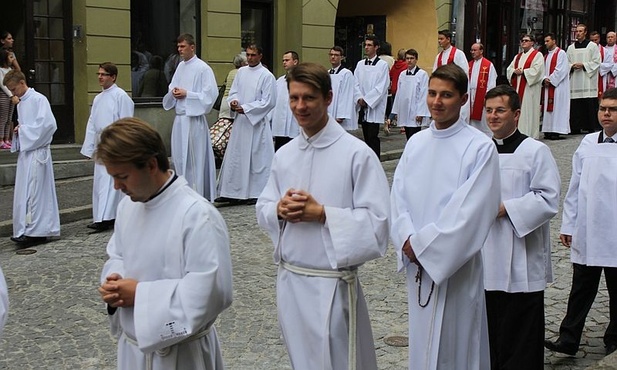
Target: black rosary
[(419, 281)]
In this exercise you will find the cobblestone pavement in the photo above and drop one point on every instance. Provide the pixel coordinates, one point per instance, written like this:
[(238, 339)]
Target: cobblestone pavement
[(57, 321)]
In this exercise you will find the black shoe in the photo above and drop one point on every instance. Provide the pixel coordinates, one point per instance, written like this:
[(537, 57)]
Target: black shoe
[(558, 346), (251, 201), (101, 226), (610, 348), (27, 241)]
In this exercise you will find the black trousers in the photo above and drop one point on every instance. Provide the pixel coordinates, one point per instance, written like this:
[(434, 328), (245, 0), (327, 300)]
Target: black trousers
[(584, 115), (516, 330), (279, 141), (585, 282), (370, 130), (410, 131)]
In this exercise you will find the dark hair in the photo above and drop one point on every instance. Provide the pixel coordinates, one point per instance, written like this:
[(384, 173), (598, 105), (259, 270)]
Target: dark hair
[(505, 90), (186, 37), (131, 140), (610, 94), (594, 33), (549, 34), (385, 48), (453, 73), (412, 52), (373, 38), (528, 36), (312, 74), (294, 55), (255, 47), (446, 33), (4, 35), (110, 68), (4, 57), (339, 49)]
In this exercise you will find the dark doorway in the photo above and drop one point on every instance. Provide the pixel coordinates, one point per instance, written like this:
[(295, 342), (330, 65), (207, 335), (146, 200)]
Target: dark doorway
[(44, 50), (349, 33), (257, 28)]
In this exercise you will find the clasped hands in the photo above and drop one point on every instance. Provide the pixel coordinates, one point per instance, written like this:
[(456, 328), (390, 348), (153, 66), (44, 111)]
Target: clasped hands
[(236, 107), (298, 205), (118, 292), (178, 93)]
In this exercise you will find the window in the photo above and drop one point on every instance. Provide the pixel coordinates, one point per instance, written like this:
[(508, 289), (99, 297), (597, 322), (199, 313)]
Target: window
[(155, 25)]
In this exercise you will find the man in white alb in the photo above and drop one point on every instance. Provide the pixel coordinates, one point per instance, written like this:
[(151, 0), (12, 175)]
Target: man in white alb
[(451, 54), (283, 123), (555, 91), (482, 78), (608, 67), (344, 88)]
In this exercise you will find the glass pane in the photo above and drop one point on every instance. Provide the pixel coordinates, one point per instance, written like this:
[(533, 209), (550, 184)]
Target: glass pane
[(41, 49), (57, 94), (56, 50), (57, 72), (43, 89), (42, 73), (56, 28), (577, 5), (41, 27), (40, 7), (55, 8)]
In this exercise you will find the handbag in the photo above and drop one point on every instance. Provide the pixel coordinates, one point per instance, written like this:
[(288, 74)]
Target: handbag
[(219, 99), (219, 135)]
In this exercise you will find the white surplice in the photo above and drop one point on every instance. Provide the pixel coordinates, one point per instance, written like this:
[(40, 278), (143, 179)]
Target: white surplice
[(177, 247), (283, 122), (373, 82), (246, 165), (35, 206), (584, 82), (491, 82), (557, 121), (460, 60), (410, 99), (589, 211), (517, 251), (608, 67), (343, 104), (4, 302), (529, 121), (313, 310), (444, 201), (109, 105), (191, 148)]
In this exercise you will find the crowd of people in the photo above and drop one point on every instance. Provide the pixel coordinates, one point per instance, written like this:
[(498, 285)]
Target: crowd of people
[(477, 261)]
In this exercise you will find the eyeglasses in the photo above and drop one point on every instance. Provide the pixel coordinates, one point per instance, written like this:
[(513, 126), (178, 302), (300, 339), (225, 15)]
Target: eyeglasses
[(610, 110), (103, 74), (525, 40)]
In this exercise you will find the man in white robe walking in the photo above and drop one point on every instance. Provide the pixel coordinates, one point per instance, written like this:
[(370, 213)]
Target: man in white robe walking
[(246, 165), (35, 206), (109, 105), (168, 275), (344, 90), (443, 205), (192, 92), (587, 228), (482, 78), (555, 91), (517, 251), (526, 73), (608, 67), (451, 54), (283, 123), (326, 210)]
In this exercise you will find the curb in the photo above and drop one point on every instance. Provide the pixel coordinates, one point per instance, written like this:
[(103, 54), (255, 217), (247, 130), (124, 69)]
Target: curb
[(66, 216)]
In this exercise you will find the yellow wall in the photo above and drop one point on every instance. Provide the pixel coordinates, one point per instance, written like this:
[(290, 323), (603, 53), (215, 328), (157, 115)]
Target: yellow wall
[(220, 35), (409, 24)]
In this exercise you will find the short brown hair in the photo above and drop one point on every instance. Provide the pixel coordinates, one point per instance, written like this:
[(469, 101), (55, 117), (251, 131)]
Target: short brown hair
[(131, 140), (453, 73), (186, 37), (110, 68), (312, 74)]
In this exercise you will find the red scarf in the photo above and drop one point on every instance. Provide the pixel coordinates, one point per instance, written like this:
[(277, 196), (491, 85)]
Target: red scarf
[(481, 87), (551, 88), (611, 78), (450, 57), (521, 88), (600, 79)]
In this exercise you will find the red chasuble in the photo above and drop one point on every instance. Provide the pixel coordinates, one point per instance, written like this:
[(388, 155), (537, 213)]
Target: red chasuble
[(481, 86), (521, 88), (450, 57)]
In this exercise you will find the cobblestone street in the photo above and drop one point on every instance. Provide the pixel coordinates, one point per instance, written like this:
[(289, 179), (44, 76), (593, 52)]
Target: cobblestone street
[(57, 321)]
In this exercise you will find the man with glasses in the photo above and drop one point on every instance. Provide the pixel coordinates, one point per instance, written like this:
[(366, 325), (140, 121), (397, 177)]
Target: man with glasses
[(584, 60), (587, 228), (345, 91), (526, 73), (109, 105)]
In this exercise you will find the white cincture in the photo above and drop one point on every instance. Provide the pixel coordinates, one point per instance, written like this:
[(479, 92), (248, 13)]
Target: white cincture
[(165, 351), (348, 276)]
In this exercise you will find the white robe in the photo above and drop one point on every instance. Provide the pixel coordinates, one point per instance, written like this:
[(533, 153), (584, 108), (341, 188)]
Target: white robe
[(584, 82), (177, 247), (109, 105), (312, 310), (529, 121), (35, 206), (191, 148), (410, 99), (461, 61), (517, 251), (373, 82), (246, 165), (473, 87), (557, 121), (283, 122), (4, 302), (589, 211), (343, 104), (444, 200), (608, 67)]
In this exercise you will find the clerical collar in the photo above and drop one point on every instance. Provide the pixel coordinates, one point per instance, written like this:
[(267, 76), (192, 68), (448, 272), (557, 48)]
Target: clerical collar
[(371, 60), (172, 177), (509, 144), (256, 65), (337, 68), (412, 72), (581, 45)]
